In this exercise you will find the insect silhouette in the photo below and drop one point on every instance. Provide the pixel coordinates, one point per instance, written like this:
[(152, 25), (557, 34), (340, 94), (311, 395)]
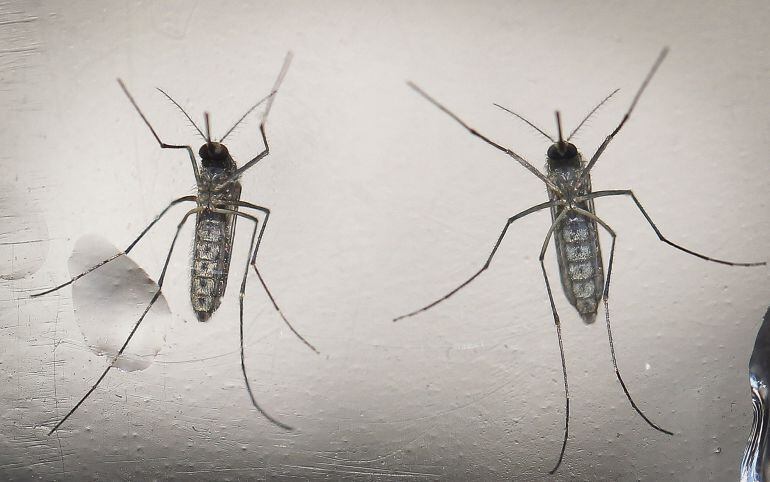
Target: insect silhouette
[(575, 231), (218, 207)]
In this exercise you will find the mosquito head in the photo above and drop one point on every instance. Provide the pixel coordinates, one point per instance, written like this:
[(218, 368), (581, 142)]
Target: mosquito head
[(562, 153), (216, 155)]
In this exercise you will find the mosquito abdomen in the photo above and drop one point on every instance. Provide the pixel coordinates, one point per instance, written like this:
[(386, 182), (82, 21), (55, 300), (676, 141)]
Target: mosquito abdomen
[(211, 260), (577, 249), (580, 264)]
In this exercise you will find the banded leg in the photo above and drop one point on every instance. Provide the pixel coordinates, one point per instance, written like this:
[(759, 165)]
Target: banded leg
[(628, 192), (266, 212), (605, 299), (129, 248), (557, 322), (136, 325), (489, 259)]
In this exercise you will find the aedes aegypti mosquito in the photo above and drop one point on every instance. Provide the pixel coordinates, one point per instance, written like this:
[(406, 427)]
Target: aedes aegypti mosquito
[(218, 208), (574, 229)]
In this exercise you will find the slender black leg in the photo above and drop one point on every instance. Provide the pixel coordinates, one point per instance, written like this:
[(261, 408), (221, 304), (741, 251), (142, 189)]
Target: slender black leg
[(605, 299), (127, 250), (240, 301), (486, 139), (489, 259), (266, 212), (608, 139), (255, 241), (136, 326), (256, 158), (270, 100), (557, 322), (628, 192), (162, 144)]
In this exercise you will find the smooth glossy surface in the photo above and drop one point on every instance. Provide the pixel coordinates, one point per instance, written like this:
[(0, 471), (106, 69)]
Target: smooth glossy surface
[(755, 465)]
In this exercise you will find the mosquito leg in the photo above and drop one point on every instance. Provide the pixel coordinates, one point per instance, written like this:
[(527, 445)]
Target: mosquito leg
[(486, 139), (136, 326), (266, 212), (628, 192), (240, 301), (608, 139), (271, 99), (129, 248), (489, 259), (257, 158), (162, 144), (262, 280), (557, 322), (605, 299)]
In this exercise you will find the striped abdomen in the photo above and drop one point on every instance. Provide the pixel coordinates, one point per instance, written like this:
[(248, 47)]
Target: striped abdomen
[(579, 254), (211, 261), (214, 233), (580, 263)]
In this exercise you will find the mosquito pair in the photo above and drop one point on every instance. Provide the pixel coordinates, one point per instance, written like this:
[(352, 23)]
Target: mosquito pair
[(574, 228), (575, 232), (218, 207)]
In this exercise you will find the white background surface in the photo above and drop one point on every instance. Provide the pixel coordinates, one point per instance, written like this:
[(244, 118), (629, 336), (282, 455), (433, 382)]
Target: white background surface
[(381, 204)]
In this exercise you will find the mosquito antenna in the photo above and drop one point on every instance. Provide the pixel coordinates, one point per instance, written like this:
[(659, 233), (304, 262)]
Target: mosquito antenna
[(278, 81), (269, 97), (162, 144), (591, 113), (251, 109), (208, 127), (185, 113), (528, 122)]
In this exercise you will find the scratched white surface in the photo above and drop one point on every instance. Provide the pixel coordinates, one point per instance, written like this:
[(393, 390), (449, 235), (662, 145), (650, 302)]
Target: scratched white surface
[(380, 204)]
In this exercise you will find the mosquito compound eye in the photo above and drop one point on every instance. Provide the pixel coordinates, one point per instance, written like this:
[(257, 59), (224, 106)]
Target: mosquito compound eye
[(220, 151)]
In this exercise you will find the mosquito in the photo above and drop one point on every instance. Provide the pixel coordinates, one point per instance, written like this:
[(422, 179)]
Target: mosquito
[(218, 207), (574, 229)]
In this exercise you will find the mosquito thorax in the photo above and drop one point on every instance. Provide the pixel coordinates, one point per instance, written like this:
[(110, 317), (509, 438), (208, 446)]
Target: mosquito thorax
[(563, 154), (215, 155)]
